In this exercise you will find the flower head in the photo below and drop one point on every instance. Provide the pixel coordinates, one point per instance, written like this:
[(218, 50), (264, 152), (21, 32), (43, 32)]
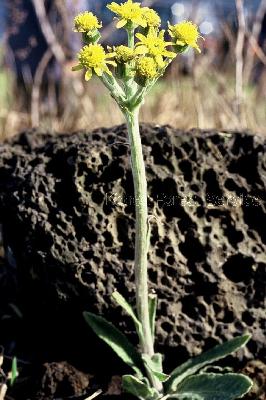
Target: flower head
[(128, 12), (154, 45), (86, 22), (146, 67), (94, 59), (185, 34), (123, 54), (151, 17)]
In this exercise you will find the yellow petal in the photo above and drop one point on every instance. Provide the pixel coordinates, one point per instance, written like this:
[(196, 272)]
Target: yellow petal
[(141, 50), (195, 46), (180, 43), (88, 75), (121, 23), (113, 7), (140, 37), (159, 60), (98, 71), (107, 70), (111, 63), (169, 54), (110, 55), (140, 22)]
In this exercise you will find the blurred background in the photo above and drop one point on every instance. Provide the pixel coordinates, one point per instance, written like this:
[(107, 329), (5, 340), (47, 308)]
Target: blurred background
[(222, 88)]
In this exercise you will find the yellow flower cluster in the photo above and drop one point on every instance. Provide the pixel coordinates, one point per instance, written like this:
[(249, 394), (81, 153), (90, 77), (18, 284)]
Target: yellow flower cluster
[(151, 17), (154, 45), (94, 59), (148, 57), (185, 34), (128, 12), (86, 22), (123, 54), (146, 67)]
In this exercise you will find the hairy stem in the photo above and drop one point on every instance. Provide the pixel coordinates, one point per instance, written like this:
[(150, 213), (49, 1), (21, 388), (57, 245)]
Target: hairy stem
[(141, 207), (141, 237)]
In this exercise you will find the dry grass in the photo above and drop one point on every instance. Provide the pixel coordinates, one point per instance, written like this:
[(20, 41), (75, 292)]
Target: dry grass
[(205, 100)]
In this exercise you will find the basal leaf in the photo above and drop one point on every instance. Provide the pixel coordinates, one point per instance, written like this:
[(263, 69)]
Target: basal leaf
[(152, 312), (116, 340), (193, 365), (214, 386), (138, 388), (154, 365), (14, 371), (121, 301)]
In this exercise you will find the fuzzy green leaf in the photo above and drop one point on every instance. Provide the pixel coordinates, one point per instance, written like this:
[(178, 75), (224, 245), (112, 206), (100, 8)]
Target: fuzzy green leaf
[(116, 340), (14, 371), (152, 312), (121, 301), (214, 387), (77, 67), (154, 365), (193, 365), (138, 388)]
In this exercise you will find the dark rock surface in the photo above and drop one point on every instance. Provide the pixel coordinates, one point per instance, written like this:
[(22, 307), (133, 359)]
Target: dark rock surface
[(66, 207)]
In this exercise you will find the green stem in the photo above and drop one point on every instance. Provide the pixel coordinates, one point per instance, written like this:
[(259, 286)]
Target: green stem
[(141, 207), (131, 37), (130, 85), (141, 237), (115, 89)]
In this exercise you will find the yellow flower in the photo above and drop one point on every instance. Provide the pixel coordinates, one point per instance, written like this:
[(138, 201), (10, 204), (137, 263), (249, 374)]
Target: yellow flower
[(151, 17), (128, 12), (154, 45), (146, 67), (94, 59), (123, 54), (86, 22), (185, 34)]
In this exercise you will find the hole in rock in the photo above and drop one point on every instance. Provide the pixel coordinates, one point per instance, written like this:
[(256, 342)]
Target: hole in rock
[(192, 308), (167, 327), (97, 196), (213, 192), (238, 268), (186, 168), (161, 156), (112, 172)]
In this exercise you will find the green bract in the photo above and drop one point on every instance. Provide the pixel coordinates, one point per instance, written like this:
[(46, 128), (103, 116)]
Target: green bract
[(129, 72)]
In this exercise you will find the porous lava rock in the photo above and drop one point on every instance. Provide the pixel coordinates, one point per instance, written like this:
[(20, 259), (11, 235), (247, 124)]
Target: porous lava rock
[(67, 212)]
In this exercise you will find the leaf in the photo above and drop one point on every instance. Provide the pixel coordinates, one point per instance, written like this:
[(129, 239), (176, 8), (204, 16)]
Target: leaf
[(116, 340), (157, 360), (138, 388), (184, 397), (14, 371), (121, 301), (152, 312), (77, 67), (214, 386), (191, 366), (154, 364)]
